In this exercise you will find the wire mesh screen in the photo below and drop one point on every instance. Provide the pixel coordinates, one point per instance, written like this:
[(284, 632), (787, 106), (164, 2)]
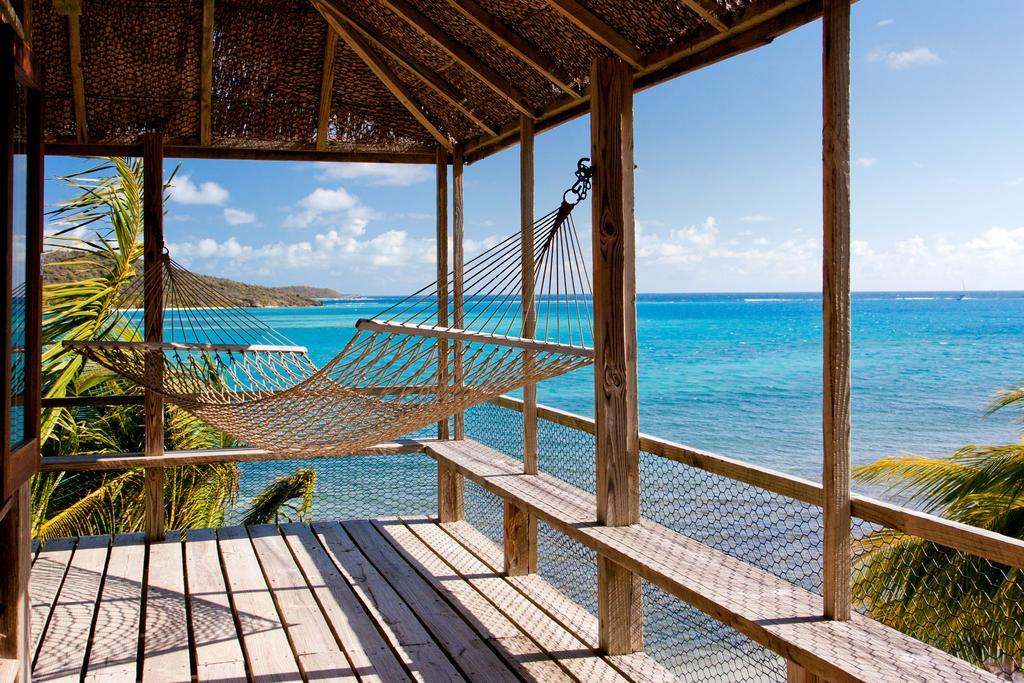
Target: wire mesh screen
[(775, 533), (961, 603), (497, 427), (485, 511), (568, 565), (699, 648)]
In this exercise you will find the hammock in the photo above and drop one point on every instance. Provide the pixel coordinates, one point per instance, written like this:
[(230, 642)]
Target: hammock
[(418, 362)]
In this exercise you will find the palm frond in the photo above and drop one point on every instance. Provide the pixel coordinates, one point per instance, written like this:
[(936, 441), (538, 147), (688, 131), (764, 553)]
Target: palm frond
[(274, 502)]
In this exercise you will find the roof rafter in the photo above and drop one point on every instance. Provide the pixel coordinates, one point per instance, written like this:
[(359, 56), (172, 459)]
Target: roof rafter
[(382, 71), (428, 76), (461, 54), (514, 43), (326, 88), (709, 11), (72, 9), (206, 75), (599, 30)]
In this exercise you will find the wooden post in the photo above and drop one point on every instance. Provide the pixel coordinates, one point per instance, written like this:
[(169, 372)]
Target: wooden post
[(153, 314), (620, 609), (450, 494), (458, 278), (16, 560), (520, 540), (442, 279), (836, 307), (526, 132), (797, 674)]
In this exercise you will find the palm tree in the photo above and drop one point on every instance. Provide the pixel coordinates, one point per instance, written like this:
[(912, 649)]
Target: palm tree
[(102, 225), (964, 604)]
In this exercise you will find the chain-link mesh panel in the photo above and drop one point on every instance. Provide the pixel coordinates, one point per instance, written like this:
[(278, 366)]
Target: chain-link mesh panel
[(774, 533), (486, 512), (699, 648), (961, 603), (497, 427), (353, 487), (568, 565)]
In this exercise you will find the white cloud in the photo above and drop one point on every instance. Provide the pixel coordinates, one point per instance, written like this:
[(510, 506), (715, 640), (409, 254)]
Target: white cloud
[(885, 22), (1015, 181), (865, 162), (393, 175), (755, 218), (335, 207), (238, 217), (904, 59), (184, 191)]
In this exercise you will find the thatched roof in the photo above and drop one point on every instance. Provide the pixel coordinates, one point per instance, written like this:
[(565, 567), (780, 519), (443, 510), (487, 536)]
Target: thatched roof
[(392, 78)]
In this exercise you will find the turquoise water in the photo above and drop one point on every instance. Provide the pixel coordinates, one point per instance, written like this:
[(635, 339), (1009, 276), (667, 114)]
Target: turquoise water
[(740, 374)]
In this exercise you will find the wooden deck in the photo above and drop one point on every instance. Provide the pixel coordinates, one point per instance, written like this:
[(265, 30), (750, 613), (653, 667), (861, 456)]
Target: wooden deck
[(371, 600)]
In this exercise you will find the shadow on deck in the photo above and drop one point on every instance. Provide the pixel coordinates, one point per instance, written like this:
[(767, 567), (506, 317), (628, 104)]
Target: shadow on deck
[(384, 600)]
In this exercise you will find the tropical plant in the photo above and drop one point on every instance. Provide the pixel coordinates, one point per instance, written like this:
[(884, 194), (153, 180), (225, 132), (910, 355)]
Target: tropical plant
[(959, 602), (102, 225)]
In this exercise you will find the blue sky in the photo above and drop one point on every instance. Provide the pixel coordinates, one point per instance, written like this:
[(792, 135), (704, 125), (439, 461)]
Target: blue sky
[(728, 179)]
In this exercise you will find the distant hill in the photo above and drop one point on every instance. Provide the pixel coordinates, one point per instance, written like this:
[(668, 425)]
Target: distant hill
[(316, 292), (57, 269)]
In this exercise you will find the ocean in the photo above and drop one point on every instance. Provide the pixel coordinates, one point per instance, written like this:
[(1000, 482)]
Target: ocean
[(740, 374)]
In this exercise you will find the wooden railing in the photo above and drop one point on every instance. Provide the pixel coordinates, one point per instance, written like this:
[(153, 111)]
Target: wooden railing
[(969, 539)]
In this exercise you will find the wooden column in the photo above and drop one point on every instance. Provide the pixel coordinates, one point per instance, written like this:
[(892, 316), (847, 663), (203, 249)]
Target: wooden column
[(526, 132), (16, 560), (836, 307), (153, 314), (442, 277), (620, 611), (450, 483), (458, 278), (520, 540)]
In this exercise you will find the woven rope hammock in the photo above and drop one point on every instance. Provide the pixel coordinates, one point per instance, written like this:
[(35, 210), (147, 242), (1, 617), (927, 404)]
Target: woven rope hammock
[(420, 361)]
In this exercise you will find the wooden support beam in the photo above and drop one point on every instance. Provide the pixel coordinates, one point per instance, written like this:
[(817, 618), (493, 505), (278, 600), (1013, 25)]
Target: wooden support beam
[(600, 31), (206, 75), (709, 11), (837, 558), (520, 531), (450, 494), (326, 90), (153, 314), (427, 75), (183, 151), (16, 560), (72, 9), (358, 44), (488, 76), (516, 44), (797, 674), (526, 167), (458, 277), (441, 168), (620, 613)]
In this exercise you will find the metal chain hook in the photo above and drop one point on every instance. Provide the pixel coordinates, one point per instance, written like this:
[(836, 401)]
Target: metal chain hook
[(580, 189)]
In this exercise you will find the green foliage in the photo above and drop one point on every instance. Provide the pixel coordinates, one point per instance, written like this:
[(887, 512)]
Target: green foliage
[(959, 602), (274, 502), (102, 225)]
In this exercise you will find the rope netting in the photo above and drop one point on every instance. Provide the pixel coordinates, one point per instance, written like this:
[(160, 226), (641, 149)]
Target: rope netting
[(435, 353)]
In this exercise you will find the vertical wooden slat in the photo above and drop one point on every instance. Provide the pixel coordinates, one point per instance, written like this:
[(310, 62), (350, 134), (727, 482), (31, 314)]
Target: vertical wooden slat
[(620, 614), (206, 75), (326, 90), (153, 269), (526, 131), (451, 487), (16, 561), (73, 9), (442, 279), (520, 540), (458, 277), (836, 307), (34, 272)]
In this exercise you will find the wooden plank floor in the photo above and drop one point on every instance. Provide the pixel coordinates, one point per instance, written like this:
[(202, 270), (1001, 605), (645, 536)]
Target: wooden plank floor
[(366, 600)]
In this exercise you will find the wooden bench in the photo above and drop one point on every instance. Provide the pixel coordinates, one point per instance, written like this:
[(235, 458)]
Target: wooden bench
[(771, 611)]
